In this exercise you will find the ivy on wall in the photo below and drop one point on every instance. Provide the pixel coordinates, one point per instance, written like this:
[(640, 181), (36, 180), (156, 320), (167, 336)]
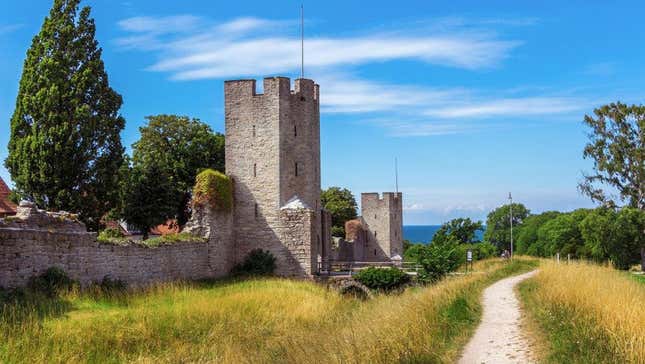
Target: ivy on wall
[(213, 188)]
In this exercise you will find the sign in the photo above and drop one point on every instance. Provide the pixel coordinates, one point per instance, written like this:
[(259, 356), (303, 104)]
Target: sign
[(469, 255)]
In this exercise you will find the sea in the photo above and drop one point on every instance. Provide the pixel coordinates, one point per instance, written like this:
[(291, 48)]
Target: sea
[(424, 233)]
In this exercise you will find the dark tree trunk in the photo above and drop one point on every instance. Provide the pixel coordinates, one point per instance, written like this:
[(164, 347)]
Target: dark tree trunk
[(643, 259)]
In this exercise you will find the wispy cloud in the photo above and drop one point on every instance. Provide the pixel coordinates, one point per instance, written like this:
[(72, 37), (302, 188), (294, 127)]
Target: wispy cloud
[(191, 48), (9, 28), (248, 46)]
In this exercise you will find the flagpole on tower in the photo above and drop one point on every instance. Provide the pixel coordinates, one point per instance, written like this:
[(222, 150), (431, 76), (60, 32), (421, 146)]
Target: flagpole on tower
[(302, 41), (396, 176)]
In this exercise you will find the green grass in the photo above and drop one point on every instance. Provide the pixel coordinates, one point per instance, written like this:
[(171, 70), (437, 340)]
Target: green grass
[(586, 314), (638, 277), (261, 320)]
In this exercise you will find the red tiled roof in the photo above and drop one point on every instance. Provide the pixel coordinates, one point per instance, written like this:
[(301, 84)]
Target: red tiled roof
[(169, 227), (6, 207)]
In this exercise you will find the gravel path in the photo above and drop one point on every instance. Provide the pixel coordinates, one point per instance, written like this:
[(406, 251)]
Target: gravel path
[(498, 338)]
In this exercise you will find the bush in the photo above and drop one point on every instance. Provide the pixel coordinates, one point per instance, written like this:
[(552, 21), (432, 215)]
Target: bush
[(257, 263), (382, 279), (111, 235), (481, 250), (440, 259), (52, 282)]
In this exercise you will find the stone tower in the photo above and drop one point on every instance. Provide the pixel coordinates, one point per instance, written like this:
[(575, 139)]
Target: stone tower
[(273, 157), (384, 220)]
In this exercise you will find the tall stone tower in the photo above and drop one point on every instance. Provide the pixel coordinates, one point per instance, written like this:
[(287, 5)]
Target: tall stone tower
[(384, 220), (273, 157)]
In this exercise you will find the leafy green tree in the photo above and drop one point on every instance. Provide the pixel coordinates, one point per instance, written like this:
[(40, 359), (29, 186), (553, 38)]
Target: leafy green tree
[(412, 252), (498, 224), (617, 147), (341, 204), (463, 230), (65, 146), (148, 197), (527, 236), (597, 230), (628, 238), (440, 259), (183, 147), (562, 234)]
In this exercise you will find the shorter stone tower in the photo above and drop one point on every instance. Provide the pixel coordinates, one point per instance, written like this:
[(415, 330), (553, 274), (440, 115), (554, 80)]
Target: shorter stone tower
[(383, 220)]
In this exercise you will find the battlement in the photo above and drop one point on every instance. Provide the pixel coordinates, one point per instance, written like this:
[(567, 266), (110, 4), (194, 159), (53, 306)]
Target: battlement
[(374, 199), (273, 86)]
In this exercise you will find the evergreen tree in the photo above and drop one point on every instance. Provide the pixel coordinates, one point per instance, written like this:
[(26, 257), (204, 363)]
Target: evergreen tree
[(148, 197), (65, 149)]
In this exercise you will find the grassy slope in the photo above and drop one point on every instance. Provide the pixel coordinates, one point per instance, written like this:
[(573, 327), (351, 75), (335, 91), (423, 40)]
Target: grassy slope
[(587, 314), (270, 320)]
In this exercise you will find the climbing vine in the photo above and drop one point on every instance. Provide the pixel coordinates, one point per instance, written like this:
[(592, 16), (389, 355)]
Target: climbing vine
[(213, 188)]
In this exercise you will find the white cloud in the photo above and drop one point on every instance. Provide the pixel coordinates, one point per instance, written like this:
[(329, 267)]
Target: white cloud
[(250, 46), (160, 25), (521, 106), (9, 28), (191, 48)]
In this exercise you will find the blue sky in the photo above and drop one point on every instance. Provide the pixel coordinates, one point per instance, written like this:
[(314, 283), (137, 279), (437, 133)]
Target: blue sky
[(475, 98)]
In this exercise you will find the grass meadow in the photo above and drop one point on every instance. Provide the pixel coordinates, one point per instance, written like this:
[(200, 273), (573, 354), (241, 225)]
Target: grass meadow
[(586, 313), (254, 321)]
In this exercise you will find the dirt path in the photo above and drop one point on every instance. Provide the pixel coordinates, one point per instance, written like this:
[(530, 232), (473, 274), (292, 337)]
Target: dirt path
[(498, 338)]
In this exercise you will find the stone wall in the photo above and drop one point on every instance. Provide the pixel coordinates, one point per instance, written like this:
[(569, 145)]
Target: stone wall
[(34, 241)]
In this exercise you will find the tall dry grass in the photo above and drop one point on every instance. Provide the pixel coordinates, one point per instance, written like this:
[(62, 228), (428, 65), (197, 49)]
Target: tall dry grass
[(256, 321), (589, 313)]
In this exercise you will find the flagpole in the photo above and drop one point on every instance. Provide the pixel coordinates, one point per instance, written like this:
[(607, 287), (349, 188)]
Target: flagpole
[(302, 41)]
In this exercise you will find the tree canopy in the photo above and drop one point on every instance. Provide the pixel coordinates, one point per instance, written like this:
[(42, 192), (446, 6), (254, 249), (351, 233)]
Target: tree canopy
[(183, 147), (498, 224), (617, 147), (65, 149), (148, 197), (341, 204), (462, 230)]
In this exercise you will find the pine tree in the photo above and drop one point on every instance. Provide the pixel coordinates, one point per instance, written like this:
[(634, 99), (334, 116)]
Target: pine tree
[(65, 148)]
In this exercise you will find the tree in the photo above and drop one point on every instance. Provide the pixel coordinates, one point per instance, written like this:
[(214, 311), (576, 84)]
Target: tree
[(65, 146), (527, 236), (562, 234), (617, 147), (498, 224), (148, 197), (463, 230), (341, 204), (440, 259), (183, 147)]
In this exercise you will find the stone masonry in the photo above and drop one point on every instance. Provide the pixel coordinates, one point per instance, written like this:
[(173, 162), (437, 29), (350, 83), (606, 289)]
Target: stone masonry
[(34, 241), (273, 157)]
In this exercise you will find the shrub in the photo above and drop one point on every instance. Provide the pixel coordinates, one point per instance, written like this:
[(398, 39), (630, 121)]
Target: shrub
[(52, 282), (382, 279), (257, 263), (213, 188), (440, 259), (111, 235), (113, 285)]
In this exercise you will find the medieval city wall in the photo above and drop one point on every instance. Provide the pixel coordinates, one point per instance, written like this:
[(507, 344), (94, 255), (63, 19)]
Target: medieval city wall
[(34, 241), (25, 253)]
